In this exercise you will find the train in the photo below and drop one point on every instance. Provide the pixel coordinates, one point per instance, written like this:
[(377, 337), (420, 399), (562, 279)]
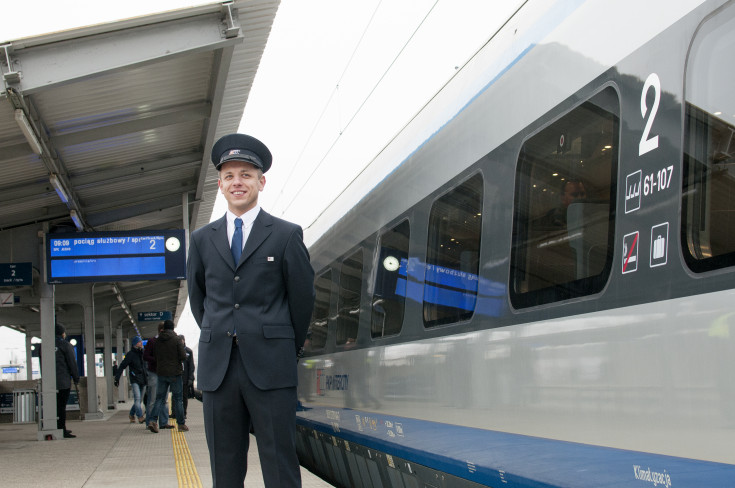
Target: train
[(540, 292)]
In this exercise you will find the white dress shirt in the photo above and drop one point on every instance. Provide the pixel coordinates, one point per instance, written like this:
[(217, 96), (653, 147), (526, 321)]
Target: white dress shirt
[(247, 223)]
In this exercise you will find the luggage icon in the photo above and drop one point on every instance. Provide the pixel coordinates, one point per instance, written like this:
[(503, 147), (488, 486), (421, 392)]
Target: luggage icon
[(659, 247)]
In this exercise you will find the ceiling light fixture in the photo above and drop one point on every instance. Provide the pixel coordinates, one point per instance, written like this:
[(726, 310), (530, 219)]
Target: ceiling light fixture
[(56, 183), (27, 130), (77, 221)]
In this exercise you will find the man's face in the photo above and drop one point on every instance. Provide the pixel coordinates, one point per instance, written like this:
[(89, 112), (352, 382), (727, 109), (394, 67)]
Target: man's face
[(139, 345), (573, 191), (240, 183)]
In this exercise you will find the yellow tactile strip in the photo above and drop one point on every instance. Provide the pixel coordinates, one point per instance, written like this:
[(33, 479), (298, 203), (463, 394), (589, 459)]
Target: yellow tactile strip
[(185, 469)]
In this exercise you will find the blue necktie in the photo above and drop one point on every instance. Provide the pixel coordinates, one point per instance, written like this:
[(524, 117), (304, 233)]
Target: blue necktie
[(236, 247)]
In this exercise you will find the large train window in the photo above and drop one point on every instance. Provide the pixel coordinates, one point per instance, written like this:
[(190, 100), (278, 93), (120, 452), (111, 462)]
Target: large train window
[(317, 333), (565, 203), (708, 206), (453, 254), (350, 291), (389, 296)]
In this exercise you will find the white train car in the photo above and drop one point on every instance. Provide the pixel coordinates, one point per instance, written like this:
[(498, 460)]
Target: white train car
[(541, 293)]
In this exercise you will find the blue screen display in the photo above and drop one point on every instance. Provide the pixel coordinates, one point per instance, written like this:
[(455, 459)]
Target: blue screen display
[(107, 246), (108, 266), (86, 257)]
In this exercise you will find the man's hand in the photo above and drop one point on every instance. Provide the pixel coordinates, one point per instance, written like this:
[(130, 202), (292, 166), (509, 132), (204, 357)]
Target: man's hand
[(117, 382)]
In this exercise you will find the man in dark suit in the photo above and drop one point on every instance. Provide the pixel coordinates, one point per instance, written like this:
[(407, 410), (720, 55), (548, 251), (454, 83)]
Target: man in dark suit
[(251, 291)]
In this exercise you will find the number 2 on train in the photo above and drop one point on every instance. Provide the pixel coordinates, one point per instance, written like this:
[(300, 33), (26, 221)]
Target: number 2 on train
[(649, 143)]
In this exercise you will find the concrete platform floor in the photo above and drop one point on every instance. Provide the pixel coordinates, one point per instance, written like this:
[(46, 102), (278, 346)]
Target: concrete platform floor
[(112, 452)]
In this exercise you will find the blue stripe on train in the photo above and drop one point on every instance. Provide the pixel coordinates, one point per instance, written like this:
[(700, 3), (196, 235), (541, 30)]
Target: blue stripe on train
[(502, 459)]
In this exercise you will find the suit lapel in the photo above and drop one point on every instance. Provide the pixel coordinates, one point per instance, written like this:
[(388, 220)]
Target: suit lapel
[(259, 233), (220, 241)]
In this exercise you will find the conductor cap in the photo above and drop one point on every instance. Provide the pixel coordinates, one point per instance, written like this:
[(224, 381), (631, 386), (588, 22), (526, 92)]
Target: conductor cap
[(241, 147)]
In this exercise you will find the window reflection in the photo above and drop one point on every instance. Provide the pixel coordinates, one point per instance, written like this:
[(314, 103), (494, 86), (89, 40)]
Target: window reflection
[(565, 200), (350, 291), (317, 333), (389, 296), (708, 207), (453, 254)]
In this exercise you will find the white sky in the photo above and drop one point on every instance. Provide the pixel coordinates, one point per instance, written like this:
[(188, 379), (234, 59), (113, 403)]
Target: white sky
[(338, 79)]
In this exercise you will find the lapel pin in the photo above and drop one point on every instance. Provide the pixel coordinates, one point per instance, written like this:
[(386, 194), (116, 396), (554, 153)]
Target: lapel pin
[(271, 258)]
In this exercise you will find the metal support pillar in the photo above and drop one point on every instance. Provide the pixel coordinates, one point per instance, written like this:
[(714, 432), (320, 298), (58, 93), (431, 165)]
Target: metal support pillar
[(29, 357), (107, 360), (122, 393), (47, 427), (93, 411)]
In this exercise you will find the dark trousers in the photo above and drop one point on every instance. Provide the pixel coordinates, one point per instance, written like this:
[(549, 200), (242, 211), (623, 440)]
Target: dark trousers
[(185, 399), (160, 407), (62, 397), (228, 413)]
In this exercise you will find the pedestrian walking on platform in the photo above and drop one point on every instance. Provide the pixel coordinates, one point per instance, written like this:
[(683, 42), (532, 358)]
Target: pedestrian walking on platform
[(66, 370), (251, 290), (151, 389), (170, 355), (136, 375)]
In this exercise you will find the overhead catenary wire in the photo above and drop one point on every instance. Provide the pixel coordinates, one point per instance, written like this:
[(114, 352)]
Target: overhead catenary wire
[(329, 101), (457, 70), (359, 109)]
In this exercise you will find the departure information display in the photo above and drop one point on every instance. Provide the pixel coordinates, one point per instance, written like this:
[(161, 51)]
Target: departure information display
[(86, 257)]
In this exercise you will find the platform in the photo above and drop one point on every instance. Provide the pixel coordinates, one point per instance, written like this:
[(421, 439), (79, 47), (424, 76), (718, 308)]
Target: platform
[(112, 452)]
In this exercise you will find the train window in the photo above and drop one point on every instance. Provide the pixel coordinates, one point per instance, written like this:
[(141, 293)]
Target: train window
[(708, 206), (565, 203), (317, 334), (453, 254), (389, 296), (350, 291)]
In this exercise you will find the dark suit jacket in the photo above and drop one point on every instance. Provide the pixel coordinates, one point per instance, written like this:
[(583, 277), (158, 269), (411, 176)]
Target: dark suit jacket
[(268, 298), (66, 364)]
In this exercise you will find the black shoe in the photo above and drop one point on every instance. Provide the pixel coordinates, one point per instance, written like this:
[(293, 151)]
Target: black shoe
[(69, 435)]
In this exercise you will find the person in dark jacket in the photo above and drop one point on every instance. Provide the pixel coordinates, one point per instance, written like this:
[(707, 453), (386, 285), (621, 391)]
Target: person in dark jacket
[(150, 363), (187, 378), (137, 376), (170, 354), (251, 292), (66, 369)]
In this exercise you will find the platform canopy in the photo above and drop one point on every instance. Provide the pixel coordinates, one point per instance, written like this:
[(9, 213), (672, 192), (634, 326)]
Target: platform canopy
[(109, 128)]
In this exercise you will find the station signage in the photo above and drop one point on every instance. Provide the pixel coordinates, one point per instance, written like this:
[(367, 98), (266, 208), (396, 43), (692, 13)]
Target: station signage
[(16, 274), (86, 257), (153, 316)]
